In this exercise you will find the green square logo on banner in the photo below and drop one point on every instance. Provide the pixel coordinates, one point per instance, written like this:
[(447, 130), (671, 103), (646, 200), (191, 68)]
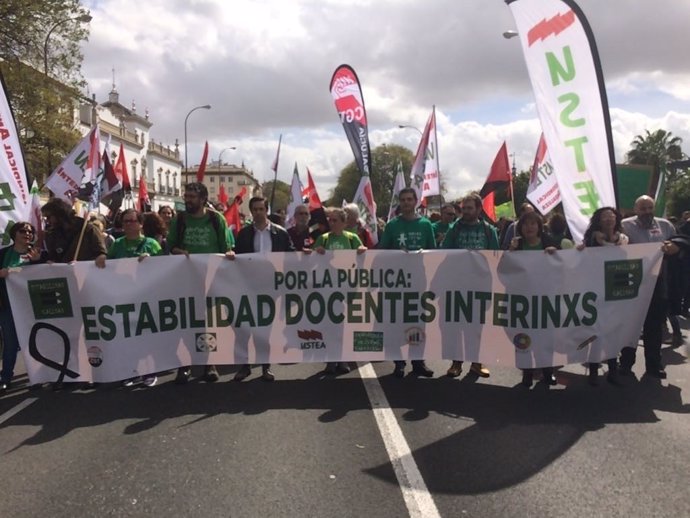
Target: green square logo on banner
[(622, 279), (368, 341), (50, 298)]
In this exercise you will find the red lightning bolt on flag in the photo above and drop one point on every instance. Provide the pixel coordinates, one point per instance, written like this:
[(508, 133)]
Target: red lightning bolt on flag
[(554, 26)]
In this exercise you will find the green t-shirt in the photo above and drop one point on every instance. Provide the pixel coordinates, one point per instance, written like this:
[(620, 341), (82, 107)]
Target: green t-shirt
[(200, 236), (346, 241), (404, 234), (123, 247), (13, 258), (440, 231), (476, 236)]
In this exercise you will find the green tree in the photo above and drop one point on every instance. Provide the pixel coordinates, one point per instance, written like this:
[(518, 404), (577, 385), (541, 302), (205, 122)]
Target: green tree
[(385, 160), (657, 149), (282, 195), (43, 103), (679, 195)]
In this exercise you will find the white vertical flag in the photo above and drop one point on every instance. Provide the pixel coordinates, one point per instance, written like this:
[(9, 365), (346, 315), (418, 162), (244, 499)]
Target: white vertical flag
[(295, 198), (432, 172), (15, 199), (564, 68), (398, 186), (542, 191), (364, 198)]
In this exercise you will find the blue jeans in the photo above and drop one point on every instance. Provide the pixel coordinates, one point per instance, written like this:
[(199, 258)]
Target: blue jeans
[(10, 344)]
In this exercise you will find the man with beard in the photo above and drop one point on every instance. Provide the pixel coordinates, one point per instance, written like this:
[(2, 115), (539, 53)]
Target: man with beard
[(645, 228), (263, 237), (409, 232), (198, 230), (470, 233)]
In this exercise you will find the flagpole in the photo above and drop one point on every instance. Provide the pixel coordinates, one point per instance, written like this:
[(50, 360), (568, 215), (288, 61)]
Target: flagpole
[(438, 167), (275, 173)]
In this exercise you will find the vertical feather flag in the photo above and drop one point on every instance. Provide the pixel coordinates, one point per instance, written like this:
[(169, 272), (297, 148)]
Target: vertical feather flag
[(499, 178), (564, 68), (223, 196), (13, 175), (542, 191), (202, 165)]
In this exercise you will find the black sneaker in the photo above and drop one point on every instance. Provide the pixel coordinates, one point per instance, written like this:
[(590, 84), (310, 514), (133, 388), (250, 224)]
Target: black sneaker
[(211, 374), (243, 373), (399, 371), (342, 368), (183, 375), (420, 369)]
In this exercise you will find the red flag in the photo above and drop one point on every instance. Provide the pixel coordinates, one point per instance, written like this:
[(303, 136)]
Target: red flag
[(121, 170), (202, 165), (314, 202), (232, 213), (499, 178), (144, 202), (223, 196)]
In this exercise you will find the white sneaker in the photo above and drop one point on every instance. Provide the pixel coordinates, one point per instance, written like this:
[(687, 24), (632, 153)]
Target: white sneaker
[(150, 380)]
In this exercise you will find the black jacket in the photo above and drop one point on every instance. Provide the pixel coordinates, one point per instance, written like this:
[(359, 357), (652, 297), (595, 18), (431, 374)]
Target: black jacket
[(280, 240)]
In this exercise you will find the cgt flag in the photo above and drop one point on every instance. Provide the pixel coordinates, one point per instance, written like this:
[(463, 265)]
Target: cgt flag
[(349, 102), (398, 185), (565, 71), (364, 198)]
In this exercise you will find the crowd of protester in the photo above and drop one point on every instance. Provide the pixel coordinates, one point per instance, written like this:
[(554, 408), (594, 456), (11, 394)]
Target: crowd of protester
[(201, 228)]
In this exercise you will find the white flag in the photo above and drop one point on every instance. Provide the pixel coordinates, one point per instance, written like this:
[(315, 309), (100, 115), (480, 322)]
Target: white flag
[(295, 198), (564, 68), (364, 198), (398, 186), (76, 168), (542, 191), (432, 172)]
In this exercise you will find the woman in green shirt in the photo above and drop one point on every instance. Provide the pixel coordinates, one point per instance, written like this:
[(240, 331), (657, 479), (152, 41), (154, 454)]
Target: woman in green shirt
[(135, 244), (20, 253), (338, 239), (530, 235)]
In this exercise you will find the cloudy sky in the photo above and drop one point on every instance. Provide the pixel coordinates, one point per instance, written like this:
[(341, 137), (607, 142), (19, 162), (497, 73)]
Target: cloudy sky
[(265, 65)]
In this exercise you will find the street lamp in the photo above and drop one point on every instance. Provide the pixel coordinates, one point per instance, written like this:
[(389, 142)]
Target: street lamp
[(221, 154), (205, 107), (85, 18), (405, 126), (510, 34)]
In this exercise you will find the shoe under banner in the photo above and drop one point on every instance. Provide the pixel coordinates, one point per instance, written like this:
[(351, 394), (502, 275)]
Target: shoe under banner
[(524, 309)]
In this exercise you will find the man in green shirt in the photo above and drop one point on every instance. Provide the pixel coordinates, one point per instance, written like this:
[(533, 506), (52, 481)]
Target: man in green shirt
[(470, 233), (409, 232), (441, 227), (198, 230)]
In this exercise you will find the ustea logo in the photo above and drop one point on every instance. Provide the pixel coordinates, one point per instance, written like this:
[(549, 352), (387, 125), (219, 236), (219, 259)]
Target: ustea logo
[(310, 339)]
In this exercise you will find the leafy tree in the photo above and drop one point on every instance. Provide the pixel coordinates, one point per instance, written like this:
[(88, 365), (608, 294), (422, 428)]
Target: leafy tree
[(43, 103), (385, 159), (679, 195), (657, 149), (282, 195)]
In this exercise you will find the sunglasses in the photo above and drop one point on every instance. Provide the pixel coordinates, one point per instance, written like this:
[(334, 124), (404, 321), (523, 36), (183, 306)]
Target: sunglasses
[(27, 231)]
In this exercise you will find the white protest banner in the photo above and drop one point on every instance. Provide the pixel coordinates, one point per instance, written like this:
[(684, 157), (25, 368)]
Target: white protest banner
[(542, 191), (15, 198), (564, 68), (528, 309)]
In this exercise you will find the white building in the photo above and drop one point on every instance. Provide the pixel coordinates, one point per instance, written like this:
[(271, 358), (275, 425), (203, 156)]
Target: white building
[(152, 162)]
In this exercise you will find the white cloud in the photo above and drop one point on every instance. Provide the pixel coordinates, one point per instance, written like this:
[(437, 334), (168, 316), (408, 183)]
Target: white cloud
[(265, 65)]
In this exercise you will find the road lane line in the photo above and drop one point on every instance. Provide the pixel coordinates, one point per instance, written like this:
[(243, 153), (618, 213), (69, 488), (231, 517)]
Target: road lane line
[(418, 500), (15, 410)]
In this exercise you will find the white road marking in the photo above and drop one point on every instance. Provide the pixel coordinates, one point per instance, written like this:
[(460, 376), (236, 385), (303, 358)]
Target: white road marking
[(418, 500), (15, 410)]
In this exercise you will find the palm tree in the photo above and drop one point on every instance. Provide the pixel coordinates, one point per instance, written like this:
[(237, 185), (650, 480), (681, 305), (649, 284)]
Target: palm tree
[(657, 149)]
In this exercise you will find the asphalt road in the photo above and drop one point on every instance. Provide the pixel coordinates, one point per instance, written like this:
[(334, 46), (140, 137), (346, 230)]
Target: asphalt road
[(308, 445)]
